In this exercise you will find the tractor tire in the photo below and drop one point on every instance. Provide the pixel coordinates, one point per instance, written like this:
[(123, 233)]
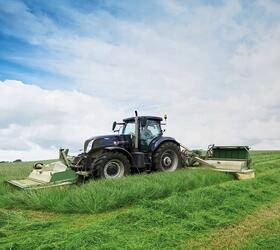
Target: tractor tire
[(167, 157), (111, 165)]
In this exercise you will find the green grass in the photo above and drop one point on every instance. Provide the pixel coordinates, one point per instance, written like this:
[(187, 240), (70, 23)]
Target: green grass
[(268, 237), (104, 195), (156, 211)]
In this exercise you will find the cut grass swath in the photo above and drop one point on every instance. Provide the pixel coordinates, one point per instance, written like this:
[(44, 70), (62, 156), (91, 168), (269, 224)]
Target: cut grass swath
[(105, 195)]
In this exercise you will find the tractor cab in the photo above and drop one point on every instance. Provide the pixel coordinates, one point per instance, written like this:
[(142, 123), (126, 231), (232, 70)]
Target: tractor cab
[(147, 129)]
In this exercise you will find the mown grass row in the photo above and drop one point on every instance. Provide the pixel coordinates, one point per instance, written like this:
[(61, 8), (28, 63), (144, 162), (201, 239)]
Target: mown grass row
[(104, 195), (263, 163), (264, 156), (167, 223), (265, 238), (198, 212)]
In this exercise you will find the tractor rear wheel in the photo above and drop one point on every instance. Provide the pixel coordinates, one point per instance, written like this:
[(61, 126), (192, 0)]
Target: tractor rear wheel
[(167, 157), (111, 165)]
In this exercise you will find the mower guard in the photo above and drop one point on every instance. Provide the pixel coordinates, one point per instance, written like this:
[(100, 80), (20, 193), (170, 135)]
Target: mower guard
[(238, 167), (231, 159), (50, 175)]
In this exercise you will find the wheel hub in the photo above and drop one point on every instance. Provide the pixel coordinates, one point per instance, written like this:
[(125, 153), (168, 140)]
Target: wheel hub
[(167, 161), (113, 168)]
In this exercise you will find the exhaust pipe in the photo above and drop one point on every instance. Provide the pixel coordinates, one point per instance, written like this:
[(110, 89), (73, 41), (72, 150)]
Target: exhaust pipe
[(136, 131)]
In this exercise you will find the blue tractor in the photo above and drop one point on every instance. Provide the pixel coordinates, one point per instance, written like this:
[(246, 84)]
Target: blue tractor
[(137, 146)]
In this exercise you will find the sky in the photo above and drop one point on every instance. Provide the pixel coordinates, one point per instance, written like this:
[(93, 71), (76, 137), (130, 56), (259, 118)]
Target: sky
[(68, 69)]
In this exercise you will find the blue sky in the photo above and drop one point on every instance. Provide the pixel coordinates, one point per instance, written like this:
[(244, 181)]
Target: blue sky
[(205, 63), (22, 22)]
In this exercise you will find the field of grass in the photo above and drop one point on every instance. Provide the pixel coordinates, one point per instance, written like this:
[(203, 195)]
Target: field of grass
[(188, 209)]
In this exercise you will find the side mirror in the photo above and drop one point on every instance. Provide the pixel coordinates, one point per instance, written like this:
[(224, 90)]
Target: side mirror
[(114, 125), (165, 118)]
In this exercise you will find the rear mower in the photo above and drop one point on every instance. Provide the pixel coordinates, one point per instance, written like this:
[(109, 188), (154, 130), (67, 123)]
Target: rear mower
[(138, 147)]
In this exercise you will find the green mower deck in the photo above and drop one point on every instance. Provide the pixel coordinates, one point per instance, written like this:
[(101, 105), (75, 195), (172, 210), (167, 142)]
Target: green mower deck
[(53, 174)]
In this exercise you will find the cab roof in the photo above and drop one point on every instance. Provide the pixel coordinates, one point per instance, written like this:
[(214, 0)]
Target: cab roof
[(130, 119)]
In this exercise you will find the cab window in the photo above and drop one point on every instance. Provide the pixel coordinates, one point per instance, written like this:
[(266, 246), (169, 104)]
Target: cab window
[(129, 128), (149, 130)]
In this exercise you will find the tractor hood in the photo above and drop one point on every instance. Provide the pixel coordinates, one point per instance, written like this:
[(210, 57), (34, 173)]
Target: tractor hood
[(105, 141)]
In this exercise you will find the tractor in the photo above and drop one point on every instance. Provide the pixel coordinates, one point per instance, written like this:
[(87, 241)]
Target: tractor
[(138, 146)]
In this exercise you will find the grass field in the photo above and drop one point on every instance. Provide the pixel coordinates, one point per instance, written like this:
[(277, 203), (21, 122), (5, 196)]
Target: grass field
[(188, 209)]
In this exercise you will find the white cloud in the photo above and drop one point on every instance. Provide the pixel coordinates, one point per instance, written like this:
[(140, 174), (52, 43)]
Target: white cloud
[(34, 120)]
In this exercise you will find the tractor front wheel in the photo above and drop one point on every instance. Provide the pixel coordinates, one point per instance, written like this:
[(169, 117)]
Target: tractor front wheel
[(111, 165), (167, 157)]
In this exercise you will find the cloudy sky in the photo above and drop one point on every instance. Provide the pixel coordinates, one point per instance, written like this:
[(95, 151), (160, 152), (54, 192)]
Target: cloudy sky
[(70, 68)]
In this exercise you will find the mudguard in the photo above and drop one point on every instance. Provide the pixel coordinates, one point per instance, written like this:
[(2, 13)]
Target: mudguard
[(122, 150), (159, 140)]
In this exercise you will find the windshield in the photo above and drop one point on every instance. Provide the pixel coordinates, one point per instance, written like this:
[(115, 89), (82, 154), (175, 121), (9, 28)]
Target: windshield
[(129, 128)]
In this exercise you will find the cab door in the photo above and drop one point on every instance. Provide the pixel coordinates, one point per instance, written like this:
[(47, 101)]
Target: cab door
[(149, 129)]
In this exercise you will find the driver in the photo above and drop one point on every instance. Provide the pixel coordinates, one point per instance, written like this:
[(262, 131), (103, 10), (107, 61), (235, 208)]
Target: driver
[(146, 133)]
